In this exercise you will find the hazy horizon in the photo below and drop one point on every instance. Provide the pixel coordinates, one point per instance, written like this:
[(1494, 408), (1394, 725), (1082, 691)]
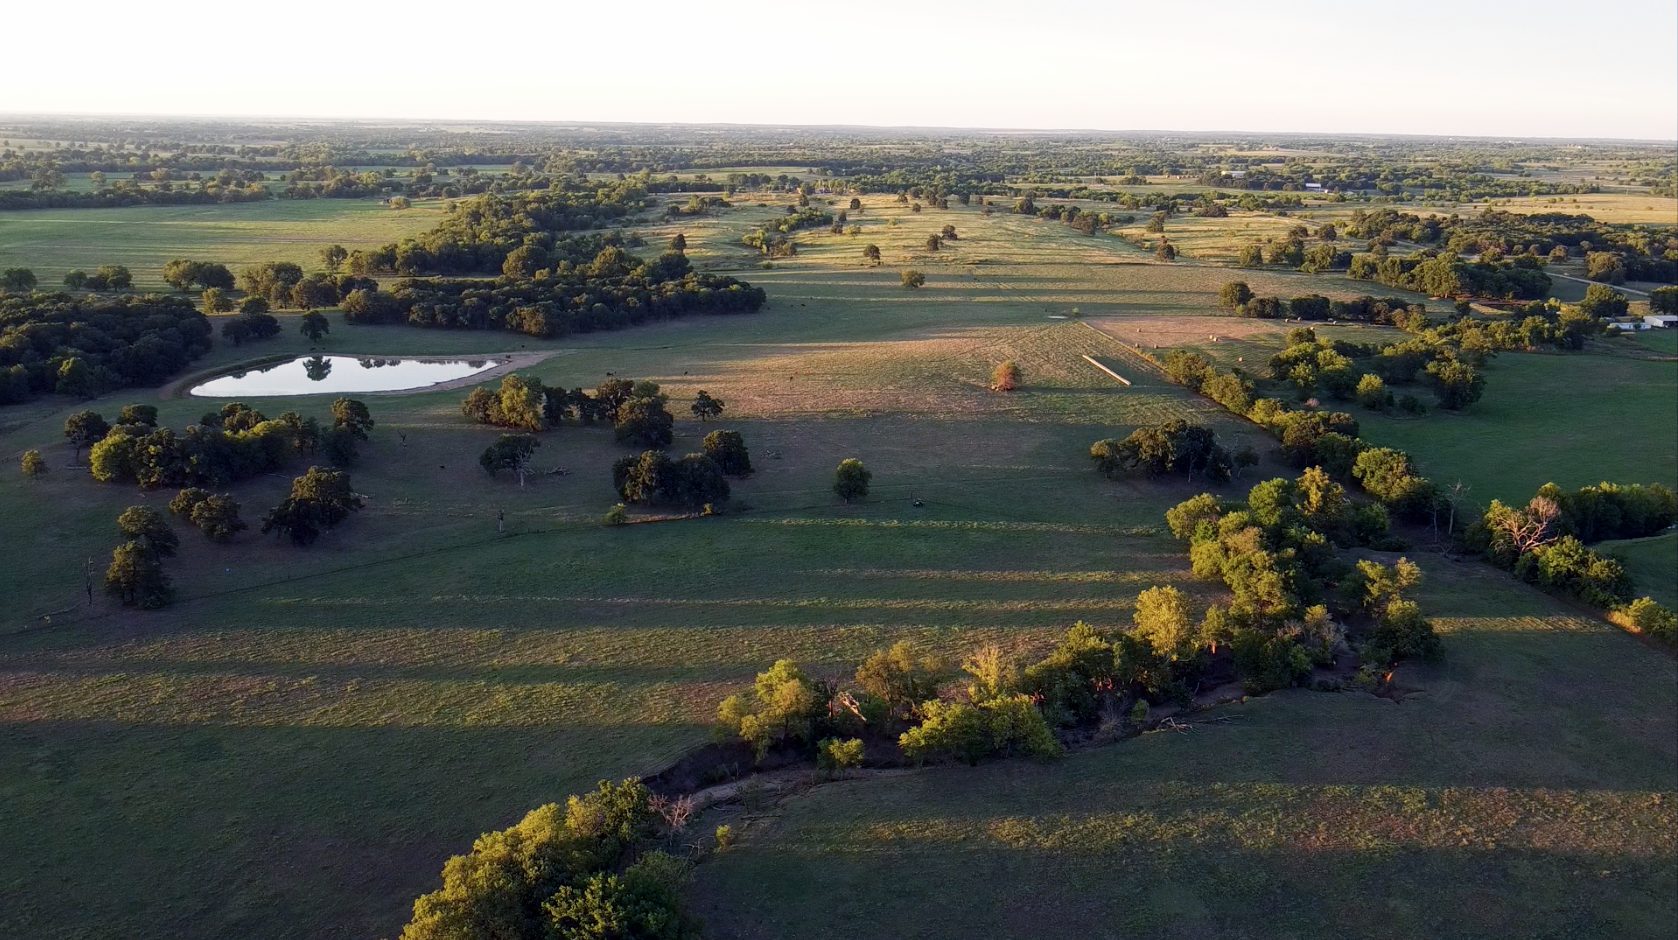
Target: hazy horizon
[(949, 128), (1542, 70)]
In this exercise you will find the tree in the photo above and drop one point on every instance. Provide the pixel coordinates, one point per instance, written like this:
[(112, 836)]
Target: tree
[(144, 525), (314, 325), (1006, 376), (1458, 383), (215, 300), (643, 422), (912, 279), (933, 243), (136, 577), (949, 233), (1372, 393), (1603, 301), (75, 279), (111, 277), (1605, 266), (783, 707), (705, 407), (900, 678), (76, 379), (1161, 619), (218, 517), (351, 415), (850, 480), (1166, 251), (17, 280), (320, 499), (1234, 294), (254, 305), (1664, 300), (510, 452), (33, 464), (333, 257), (679, 242), (871, 253), (728, 450), (84, 429)]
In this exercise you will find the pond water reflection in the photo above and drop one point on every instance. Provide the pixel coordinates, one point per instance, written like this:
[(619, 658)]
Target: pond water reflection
[(311, 375)]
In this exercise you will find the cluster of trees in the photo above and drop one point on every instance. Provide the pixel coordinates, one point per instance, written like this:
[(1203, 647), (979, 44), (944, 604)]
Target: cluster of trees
[(106, 277), (612, 292), (653, 479), (1311, 438), (1346, 371), (585, 869), (82, 347), (894, 696), (1612, 253), (1296, 602), (1442, 274), (1238, 298), (479, 234), (231, 444), (636, 409), (1173, 446), (136, 576), (186, 274), (1546, 541), (283, 284)]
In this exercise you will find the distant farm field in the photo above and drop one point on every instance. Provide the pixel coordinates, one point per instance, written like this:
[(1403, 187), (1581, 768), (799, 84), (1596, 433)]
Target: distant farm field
[(53, 241)]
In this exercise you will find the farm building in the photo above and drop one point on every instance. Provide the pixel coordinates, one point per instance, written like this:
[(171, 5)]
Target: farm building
[(1627, 325), (1661, 321)]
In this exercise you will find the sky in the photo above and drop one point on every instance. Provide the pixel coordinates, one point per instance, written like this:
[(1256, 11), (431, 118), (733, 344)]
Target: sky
[(1520, 68)]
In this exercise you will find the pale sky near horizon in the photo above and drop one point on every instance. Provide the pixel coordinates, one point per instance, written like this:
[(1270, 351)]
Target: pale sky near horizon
[(1540, 68)]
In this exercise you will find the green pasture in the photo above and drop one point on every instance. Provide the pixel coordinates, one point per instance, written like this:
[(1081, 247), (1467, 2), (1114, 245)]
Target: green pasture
[(1503, 797), (53, 241), (295, 747)]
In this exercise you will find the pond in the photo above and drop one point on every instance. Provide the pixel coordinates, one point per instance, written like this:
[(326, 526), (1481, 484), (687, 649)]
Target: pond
[(314, 375)]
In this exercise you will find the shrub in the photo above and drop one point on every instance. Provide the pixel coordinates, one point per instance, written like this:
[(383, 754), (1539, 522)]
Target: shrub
[(1266, 663), (33, 464), (1006, 376), (1646, 616), (1002, 727), (834, 756)]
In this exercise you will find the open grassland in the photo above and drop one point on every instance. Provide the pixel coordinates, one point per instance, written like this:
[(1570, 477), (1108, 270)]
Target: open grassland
[(1566, 418), (1527, 790), (297, 745), (1570, 419), (1653, 564), (53, 241)]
